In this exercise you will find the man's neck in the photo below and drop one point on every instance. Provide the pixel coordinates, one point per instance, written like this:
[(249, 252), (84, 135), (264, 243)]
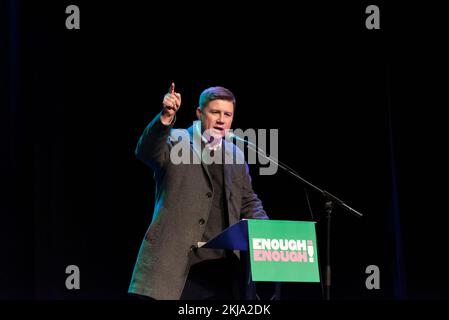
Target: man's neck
[(211, 142)]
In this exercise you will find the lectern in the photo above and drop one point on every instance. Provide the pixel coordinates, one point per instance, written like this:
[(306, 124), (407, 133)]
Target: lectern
[(279, 250)]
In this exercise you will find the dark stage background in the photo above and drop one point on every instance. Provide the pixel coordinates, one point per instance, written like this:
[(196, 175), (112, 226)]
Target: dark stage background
[(348, 103)]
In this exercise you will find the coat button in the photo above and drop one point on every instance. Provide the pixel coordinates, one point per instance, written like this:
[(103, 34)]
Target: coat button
[(201, 221), (209, 194)]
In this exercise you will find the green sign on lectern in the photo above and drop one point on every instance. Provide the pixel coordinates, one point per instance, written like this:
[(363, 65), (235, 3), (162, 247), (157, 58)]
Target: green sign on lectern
[(283, 251)]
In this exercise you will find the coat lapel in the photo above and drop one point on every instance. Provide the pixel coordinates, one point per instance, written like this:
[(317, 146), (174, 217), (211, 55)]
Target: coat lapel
[(195, 142), (228, 168)]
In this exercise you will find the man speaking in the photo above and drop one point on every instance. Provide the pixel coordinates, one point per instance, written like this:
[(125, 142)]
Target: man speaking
[(194, 202)]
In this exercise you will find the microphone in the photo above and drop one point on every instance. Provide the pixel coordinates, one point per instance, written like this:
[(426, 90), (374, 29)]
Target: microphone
[(231, 135)]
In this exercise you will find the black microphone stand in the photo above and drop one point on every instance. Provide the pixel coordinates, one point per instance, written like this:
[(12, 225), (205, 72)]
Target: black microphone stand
[(329, 201)]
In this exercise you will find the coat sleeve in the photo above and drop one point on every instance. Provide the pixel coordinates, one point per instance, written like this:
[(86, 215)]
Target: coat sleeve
[(152, 147), (251, 205)]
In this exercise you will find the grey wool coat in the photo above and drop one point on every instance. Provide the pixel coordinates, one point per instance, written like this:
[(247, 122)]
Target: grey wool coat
[(183, 200)]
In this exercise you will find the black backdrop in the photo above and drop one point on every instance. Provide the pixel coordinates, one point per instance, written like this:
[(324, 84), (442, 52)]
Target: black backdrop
[(74, 103)]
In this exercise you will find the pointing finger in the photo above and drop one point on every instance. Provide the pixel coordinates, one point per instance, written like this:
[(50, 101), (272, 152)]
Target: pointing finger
[(172, 88)]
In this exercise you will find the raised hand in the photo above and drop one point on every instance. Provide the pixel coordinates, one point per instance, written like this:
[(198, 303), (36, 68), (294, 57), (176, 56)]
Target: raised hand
[(171, 103)]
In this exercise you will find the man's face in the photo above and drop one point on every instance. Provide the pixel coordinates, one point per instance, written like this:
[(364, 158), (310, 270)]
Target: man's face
[(216, 117)]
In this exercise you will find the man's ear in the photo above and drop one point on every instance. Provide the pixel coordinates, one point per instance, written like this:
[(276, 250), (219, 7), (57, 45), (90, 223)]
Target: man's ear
[(198, 113)]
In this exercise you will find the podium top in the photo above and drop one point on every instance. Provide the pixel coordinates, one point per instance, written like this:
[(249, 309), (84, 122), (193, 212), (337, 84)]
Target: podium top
[(279, 250), (234, 237)]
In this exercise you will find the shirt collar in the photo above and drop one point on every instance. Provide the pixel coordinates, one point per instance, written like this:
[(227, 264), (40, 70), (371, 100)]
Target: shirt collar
[(212, 145), (215, 145)]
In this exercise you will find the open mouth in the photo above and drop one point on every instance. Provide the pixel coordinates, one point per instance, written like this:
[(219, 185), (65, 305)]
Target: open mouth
[(219, 129)]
